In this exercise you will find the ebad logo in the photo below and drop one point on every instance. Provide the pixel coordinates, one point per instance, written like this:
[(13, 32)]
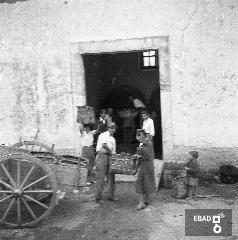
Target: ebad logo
[(208, 222)]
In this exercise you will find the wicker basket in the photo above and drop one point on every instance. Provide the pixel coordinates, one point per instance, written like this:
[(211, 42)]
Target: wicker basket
[(85, 114), (122, 163)]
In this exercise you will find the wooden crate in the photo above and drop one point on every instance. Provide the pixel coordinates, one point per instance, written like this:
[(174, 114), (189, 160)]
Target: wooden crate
[(85, 115), (122, 163)]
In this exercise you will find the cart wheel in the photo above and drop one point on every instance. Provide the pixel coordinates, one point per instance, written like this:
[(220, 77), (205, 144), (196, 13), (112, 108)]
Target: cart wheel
[(40, 150), (23, 178)]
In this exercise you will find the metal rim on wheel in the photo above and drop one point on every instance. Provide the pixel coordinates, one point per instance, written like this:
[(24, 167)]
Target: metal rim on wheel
[(18, 205)]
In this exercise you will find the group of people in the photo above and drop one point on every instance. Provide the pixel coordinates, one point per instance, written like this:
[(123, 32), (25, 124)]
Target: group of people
[(103, 137)]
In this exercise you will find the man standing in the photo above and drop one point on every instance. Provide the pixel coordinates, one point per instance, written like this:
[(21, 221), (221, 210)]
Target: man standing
[(148, 124), (106, 146), (101, 125)]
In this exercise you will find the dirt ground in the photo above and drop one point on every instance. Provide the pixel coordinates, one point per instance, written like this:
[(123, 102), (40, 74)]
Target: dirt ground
[(78, 217)]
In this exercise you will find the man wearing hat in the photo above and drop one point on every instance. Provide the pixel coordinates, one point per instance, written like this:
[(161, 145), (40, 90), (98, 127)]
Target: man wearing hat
[(106, 146)]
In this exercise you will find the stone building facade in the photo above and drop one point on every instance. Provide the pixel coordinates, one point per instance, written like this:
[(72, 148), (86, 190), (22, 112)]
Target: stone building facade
[(42, 76)]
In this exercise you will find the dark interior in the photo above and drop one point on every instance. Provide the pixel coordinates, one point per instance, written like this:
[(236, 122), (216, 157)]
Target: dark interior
[(111, 78)]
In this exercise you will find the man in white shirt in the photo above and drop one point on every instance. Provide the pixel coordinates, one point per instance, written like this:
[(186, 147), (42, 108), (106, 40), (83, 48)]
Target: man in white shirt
[(148, 124), (106, 146)]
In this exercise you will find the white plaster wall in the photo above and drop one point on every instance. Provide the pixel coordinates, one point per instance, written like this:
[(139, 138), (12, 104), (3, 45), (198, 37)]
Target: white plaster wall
[(204, 76), (36, 88)]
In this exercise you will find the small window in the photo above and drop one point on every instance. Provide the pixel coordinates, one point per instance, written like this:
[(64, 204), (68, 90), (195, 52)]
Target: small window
[(149, 59)]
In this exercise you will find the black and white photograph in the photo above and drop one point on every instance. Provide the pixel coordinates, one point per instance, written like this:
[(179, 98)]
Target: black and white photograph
[(118, 119)]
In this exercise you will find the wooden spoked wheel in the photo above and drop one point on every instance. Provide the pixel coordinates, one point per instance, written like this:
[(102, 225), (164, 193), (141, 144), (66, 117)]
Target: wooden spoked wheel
[(40, 150), (22, 178)]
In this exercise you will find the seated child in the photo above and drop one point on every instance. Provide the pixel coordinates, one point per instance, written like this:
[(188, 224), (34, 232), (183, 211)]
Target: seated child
[(145, 183), (191, 181), (87, 138)]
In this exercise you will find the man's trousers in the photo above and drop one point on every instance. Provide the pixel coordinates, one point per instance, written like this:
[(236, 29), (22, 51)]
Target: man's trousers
[(102, 170)]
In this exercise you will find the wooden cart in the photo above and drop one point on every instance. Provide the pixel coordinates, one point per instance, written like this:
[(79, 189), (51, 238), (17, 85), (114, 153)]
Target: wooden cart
[(30, 185)]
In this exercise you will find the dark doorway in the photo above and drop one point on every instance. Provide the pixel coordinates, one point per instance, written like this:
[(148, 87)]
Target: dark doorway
[(111, 78)]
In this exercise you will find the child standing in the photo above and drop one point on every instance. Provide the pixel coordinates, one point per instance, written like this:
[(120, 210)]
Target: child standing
[(145, 183), (191, 168), (87, 137)]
